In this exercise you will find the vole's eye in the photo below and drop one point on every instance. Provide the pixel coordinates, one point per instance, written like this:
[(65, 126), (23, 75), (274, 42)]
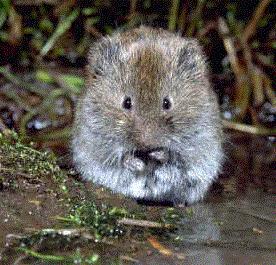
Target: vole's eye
[(127, 104), (166, 104)]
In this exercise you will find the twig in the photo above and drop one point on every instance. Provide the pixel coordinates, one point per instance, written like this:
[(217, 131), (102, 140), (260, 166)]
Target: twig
[(133, 6), (244, 90), (92, 30), (157, 245), (129, 259), (143, 223), (248, 128), (251, 26), (72, 232), (212, 25), (20, 259), (164, 250), (229, 46), (66, 232), (254, 73)]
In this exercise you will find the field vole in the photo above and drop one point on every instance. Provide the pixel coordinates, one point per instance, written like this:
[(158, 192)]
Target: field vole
[(147, 124)]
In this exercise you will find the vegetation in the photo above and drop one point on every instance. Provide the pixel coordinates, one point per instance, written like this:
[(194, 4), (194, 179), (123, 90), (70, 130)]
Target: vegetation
[(84, 220), (238, 39), (19, 159), (43, 47), (76, 258), (101, 221)]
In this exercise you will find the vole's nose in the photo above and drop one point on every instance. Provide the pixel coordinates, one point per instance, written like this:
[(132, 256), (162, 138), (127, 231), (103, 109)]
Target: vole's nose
[(160, 155)]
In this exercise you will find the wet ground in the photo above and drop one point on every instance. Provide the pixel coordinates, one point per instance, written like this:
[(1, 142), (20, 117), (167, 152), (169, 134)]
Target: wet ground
[(234, 225)]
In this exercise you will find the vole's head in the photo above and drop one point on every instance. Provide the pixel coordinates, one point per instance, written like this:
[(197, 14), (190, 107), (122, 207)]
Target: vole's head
[(146, 93)]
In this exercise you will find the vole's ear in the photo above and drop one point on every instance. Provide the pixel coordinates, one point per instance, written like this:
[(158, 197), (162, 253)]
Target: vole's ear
[(190, 58), (102, 55)]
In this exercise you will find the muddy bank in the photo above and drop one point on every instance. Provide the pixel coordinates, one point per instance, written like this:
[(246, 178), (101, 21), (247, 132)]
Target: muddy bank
[(234, 225)]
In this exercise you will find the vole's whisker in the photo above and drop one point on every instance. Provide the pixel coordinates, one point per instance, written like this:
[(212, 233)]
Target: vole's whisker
[(110, 159)]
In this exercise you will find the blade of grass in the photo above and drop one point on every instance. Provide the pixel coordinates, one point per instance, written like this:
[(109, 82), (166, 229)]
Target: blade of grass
[(173, 15), (195, 17), (41, 256), (4, 10), (62, 27)]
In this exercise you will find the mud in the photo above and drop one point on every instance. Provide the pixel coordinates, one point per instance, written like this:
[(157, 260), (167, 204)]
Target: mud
[(234, 225)]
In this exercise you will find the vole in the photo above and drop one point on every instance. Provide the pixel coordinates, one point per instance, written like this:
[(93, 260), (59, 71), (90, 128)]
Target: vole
[(147, 125)]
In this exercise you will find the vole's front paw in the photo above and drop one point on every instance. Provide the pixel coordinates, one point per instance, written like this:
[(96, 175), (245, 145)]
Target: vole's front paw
[(161, 156), (134, 164)]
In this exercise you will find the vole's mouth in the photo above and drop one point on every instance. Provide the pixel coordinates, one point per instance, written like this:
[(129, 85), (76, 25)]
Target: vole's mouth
[(142, 155)]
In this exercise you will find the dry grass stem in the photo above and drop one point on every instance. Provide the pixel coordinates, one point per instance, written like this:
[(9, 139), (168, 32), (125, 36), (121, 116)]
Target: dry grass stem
[(248, 128), (143, 223), (251, 27)]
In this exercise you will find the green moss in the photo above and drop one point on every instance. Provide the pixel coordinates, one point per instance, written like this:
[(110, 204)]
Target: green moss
[(17, 158), (100, 220), (171, 216)]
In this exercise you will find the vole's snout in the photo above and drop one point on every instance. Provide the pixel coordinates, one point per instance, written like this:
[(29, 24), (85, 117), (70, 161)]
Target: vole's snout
[(140, 159), (145, 133), (159, 155)]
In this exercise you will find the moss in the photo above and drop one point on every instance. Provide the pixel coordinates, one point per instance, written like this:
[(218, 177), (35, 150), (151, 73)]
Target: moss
[(101, 220), (17, 158), (20, 161)]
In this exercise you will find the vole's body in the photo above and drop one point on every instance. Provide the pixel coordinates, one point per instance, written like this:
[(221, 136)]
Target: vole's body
[(147, 124)]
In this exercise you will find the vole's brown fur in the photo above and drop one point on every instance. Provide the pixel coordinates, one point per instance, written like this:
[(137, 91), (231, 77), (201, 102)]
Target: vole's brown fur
[(148, 149)]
